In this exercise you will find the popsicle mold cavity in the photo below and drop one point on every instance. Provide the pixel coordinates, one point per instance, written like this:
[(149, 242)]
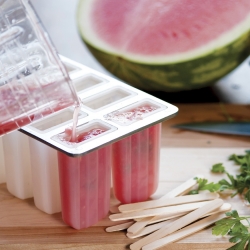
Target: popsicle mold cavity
[(17, 165), (107, 98), (84, 133), (45, 177), (85, 187), (55, 120), (135, 167), (134, 112), (2, 164), (86, 82), (71, 68)]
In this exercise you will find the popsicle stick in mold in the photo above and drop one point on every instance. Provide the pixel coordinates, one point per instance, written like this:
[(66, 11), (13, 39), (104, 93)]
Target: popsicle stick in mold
[(172, 210), (149, 229), (179, 190), (167, 202), (177, 224), (184, 232), (119, 227)]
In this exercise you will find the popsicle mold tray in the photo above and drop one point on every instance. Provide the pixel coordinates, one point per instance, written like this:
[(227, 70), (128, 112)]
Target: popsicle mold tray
[(110, 110)]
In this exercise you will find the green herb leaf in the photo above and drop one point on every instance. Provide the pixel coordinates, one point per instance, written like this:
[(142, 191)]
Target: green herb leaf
[(238, 159), (218, 168), (204, 185), (193, 192), (247, 195), (240, 184), (243, 242), (232, 226), (212, 187), (223, 226)]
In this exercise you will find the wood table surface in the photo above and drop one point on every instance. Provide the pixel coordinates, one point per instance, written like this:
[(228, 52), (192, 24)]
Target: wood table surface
[(183, 154)]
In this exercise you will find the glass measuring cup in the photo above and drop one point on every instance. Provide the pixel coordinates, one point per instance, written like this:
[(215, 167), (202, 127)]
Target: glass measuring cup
[(33, 80)]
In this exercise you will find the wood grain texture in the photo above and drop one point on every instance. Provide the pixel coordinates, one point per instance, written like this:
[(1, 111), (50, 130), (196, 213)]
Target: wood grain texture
[(183, 154)]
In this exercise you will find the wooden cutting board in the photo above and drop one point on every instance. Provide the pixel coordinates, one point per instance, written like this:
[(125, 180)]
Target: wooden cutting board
[(183, 154)]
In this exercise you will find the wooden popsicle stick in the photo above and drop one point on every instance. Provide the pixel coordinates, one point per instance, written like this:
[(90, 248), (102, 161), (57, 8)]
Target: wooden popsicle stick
[(183, 188), (161, 217), (179, 190), (172, 210), (167, 202), (184, 232), (138, 226), (177, 224), (225, 207), (149, 229), (119, 227)]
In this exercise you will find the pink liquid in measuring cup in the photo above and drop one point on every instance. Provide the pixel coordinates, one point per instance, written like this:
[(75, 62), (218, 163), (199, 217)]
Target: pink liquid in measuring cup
[(135, 165), (24, 102), (85, 183)]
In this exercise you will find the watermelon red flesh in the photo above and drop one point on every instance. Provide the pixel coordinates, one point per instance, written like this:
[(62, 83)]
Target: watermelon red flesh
[(167, 45), (167, 26)]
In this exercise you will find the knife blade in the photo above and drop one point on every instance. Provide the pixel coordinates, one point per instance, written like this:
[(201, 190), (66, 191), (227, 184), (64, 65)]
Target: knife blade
[(233, 128)]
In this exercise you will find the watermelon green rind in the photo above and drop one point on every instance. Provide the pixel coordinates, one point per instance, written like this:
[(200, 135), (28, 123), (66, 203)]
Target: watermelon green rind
[(196, 73), (197, 68)]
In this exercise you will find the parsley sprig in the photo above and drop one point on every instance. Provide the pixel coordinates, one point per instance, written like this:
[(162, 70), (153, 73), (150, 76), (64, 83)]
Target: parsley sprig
[(239, 184), (233, 227), (204, 185)]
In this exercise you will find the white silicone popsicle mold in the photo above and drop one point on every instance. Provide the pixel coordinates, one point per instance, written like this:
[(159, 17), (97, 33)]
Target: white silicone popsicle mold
[(125, 116), (45, 178), (2, 165), (44, 166), (17, 165)]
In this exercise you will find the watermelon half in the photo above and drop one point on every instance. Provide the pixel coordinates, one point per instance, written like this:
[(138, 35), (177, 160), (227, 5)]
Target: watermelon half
[(166, 45)]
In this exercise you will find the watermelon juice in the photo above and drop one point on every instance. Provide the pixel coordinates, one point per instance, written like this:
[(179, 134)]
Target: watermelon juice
[(26, 100), (85, 183), (135, 166)]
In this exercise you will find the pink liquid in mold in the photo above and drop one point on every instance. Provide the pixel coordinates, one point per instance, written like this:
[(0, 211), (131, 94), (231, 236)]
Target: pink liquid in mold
[(130, 115), (135, 165), (68, 135), (71, 135), (85, 184)]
